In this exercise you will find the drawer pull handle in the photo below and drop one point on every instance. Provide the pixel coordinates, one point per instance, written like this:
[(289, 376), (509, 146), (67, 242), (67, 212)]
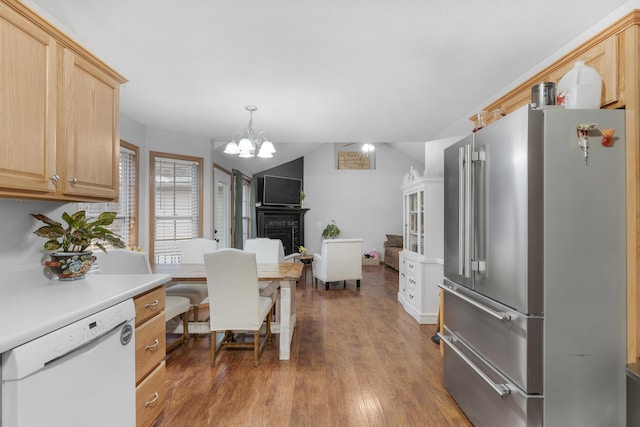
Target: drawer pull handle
[(502, 389), (497, 314), (152, 304), (154, 345), (152, 401)]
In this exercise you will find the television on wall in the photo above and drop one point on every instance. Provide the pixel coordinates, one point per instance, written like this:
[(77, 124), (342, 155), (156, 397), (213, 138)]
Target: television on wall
[(281, 191)]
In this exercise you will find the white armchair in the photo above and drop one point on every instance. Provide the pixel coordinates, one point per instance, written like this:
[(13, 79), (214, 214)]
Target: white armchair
[(339, 260)]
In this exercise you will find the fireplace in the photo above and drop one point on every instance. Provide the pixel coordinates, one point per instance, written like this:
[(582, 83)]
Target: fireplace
[(286, 224)]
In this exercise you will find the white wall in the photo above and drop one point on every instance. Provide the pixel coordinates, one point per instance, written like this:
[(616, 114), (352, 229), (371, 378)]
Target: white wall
[(150, 139), (20, 249), (365, 204)]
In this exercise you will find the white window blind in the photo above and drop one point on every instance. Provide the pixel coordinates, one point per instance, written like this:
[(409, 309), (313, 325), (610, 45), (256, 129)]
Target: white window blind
[(176, 208), (125, 224), (222, 218), (246, 218)]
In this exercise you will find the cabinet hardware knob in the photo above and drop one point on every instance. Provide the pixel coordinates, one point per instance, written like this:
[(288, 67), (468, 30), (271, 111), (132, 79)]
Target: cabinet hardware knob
[(54, 178), (73, 181)]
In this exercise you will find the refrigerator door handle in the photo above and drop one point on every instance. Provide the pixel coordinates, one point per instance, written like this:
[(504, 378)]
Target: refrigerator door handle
[(464, 211), (501, 389), (461, 210), (503, 317)]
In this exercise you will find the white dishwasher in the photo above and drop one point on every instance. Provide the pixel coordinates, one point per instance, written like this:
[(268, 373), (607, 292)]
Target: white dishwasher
[(79, 375)]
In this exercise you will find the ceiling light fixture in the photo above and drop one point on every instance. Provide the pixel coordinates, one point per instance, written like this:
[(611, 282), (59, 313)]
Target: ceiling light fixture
[(250, 144), (368, 147)]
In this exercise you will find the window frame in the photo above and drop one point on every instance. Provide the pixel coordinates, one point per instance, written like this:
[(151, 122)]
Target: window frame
[(153, 155)]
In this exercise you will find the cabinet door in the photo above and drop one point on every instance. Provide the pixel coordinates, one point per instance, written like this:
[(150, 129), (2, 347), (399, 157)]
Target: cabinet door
[(27, 106), (89, 130)]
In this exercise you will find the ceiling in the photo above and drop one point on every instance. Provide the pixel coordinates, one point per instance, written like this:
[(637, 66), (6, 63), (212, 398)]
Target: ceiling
[(319, 71)]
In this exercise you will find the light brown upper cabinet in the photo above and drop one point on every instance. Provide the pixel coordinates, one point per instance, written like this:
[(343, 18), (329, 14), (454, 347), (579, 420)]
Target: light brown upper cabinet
[(600, 53), (59, 107)]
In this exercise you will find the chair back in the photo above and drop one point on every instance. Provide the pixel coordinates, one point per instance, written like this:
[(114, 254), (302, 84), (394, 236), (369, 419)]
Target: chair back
[(268, 251), (342, 259), (232, 282), (192, 250), (121, 261)]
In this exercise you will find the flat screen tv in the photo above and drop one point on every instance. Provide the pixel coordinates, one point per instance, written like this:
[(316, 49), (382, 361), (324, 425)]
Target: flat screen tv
[(281, 191)]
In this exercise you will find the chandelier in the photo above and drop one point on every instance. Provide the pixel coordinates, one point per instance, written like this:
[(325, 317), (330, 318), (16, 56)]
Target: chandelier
[(250, 144)]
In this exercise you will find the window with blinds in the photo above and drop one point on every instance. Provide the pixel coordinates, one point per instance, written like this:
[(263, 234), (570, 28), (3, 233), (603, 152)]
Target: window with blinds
[(126, 223), (176, 205), (246, 210)]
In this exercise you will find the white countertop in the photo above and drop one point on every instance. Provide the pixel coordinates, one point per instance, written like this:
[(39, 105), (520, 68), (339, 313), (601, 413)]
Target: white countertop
[(37, 308)]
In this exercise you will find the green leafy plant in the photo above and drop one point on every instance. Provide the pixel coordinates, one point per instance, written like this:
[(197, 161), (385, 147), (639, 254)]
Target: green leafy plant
[(79, 233), (331, 231)]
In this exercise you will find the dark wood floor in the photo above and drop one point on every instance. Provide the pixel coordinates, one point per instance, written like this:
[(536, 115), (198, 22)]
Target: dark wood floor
[(357, 359)]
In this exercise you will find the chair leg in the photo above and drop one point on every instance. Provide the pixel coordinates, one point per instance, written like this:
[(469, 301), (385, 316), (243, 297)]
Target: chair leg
[(195, 313), (344, 283), (357, 283), (256, 347), (326, 286), (213, 346), (185, 327), (269, 320)]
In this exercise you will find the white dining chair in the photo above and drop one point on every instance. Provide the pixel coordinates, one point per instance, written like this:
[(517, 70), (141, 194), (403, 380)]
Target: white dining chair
[(268, 251), (191, 252), (235, 301), (120, 261)]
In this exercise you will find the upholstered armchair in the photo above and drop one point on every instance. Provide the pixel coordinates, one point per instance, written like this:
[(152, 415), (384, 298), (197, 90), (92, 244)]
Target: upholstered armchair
[(339, 260)]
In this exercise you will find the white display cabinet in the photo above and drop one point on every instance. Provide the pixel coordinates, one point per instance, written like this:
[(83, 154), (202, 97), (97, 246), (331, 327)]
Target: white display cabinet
[(421, 265)]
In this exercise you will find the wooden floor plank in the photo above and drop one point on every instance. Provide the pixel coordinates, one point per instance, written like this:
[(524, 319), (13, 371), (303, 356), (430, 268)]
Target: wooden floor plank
[(357, 359)]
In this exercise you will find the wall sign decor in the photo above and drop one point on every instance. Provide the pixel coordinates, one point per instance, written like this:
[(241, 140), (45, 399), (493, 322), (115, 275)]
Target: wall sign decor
[(353, 160)]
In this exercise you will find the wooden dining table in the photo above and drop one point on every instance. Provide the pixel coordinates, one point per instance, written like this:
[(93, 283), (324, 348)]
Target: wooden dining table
[(286, 274)]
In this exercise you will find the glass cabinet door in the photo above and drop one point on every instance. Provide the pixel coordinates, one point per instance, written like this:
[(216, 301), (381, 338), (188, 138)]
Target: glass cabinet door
[(414, 222)]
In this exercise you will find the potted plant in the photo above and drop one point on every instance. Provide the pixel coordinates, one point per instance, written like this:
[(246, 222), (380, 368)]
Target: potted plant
[(331, 231), (70, 259)]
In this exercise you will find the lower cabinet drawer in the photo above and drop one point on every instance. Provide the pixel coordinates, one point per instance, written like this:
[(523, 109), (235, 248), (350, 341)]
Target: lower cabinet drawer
[(149, 305), (151, 395), (150, 346)]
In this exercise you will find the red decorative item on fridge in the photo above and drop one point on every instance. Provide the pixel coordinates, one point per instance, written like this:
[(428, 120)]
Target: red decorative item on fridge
[(607, 137)]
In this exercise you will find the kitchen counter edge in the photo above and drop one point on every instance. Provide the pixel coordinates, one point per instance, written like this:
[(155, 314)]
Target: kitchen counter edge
[(33, 311)]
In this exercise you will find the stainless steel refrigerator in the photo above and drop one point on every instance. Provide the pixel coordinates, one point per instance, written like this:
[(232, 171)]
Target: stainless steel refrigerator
[(535, 270)]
